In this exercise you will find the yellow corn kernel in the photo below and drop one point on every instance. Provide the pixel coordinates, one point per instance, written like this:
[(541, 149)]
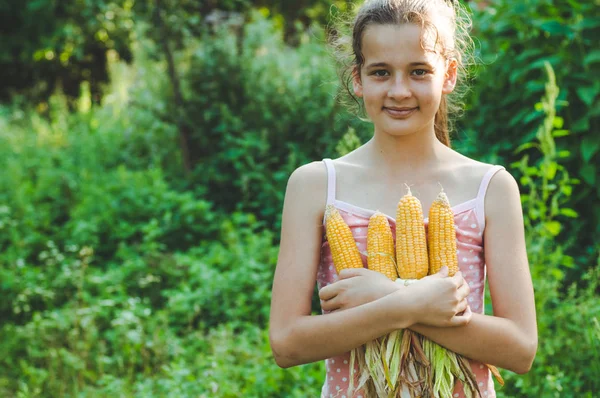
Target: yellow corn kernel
[(381, 255), (442, 236), (341, 242), (411, 245)]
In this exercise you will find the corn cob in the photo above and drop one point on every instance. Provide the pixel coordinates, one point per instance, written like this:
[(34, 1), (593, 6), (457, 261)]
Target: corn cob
[(380, 246), (442, 236), (345, 254), (441, 241), (411, 245), (341, 242), (412, 262), (442, 251), (376, 379)]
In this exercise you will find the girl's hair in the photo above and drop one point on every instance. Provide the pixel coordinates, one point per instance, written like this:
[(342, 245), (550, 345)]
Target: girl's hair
[(447, 20)]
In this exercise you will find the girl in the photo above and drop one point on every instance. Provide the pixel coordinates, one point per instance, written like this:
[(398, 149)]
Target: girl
[(406, 62)]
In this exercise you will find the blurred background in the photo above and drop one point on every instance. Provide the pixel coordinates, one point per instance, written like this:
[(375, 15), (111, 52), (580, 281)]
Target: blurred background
[(145, 148)]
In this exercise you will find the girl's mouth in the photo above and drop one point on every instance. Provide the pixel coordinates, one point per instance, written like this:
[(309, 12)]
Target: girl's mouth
[(399, 113)]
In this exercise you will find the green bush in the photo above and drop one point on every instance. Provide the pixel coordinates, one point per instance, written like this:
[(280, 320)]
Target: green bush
[(57, 206), (227, 281), (259, 109), (515, 40), (149, 322), (568, 354)]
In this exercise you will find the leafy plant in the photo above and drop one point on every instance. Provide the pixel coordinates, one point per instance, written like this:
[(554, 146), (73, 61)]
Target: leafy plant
[(260, 109), (515, 41), (547, 188)]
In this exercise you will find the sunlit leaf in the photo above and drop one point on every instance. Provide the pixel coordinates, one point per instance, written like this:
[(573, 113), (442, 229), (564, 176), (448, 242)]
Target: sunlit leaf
[(568, 212)]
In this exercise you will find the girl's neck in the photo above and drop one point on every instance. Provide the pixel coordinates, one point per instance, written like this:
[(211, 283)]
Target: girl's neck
[(417, 154)]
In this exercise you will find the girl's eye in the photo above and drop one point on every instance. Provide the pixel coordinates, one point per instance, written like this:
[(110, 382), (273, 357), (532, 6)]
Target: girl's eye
[(380, 73), (420, 72)]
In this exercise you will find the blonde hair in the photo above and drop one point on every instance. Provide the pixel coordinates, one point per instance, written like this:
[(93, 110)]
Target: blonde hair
[(446, 19)]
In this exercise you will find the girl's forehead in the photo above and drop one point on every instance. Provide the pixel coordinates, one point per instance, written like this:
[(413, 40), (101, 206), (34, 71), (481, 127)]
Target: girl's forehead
[(403, 42)]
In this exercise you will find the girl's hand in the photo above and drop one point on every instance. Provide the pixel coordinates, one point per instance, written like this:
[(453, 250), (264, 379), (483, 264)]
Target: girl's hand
[(441, 300), (356, 286)]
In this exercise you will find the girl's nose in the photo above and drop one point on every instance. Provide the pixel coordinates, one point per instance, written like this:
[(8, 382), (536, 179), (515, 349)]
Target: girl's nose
[(399, 88)]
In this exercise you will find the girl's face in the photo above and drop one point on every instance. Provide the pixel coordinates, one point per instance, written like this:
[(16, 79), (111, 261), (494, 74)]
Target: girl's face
[(401, 82)]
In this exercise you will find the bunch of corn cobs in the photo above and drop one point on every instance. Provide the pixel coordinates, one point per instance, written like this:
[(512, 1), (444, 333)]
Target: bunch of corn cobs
[(404, 363)]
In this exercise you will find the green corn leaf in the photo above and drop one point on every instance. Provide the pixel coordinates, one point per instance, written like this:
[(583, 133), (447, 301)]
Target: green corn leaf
[(390, 347), (395, 361), (386, 372)]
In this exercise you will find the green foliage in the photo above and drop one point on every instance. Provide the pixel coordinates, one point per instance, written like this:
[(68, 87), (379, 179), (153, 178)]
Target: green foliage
[(515, 42), (114, 283), (141, 356), (260, 109), (547, 187), (109, 335), (567, 321), (47, 44), (226, 281), (348, 143), (80, 198)]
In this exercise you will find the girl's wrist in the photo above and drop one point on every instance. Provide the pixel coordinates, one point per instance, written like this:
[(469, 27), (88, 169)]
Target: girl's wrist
[(385, 290), (395, 286), (404, 308), (405, 282), (389, 288)]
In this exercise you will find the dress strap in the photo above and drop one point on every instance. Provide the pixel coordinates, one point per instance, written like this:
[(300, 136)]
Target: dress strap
[(330, 180), (480, 201)]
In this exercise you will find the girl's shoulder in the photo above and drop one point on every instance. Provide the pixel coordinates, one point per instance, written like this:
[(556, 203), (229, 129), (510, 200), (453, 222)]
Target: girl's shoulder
[(310, 177), (307, 188), (473, 172), (477, 179), (498, 190), (313, 177), (494, 175)]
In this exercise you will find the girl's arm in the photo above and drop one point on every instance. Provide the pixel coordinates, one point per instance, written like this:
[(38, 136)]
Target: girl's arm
[(509, 338), (296, 336)]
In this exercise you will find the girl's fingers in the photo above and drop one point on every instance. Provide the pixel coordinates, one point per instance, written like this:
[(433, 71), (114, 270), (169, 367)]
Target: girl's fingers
[(463, 291), (462, 320), (468, 311), (351, 272), (458, 279), (327, 292), (329, 305), (462, 307), (443, 271)]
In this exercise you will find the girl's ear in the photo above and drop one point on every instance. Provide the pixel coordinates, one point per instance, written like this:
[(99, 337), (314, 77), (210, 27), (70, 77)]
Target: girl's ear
[(356, 82), (451, 75)]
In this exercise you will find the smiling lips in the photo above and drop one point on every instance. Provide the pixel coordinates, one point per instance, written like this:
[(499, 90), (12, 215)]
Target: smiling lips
[(399, 113)]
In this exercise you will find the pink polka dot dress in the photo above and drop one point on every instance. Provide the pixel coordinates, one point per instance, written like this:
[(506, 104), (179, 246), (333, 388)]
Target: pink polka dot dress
[(470, 226)]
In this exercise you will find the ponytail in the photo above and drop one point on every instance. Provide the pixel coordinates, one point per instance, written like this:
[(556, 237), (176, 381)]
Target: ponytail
[(441, 123)]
